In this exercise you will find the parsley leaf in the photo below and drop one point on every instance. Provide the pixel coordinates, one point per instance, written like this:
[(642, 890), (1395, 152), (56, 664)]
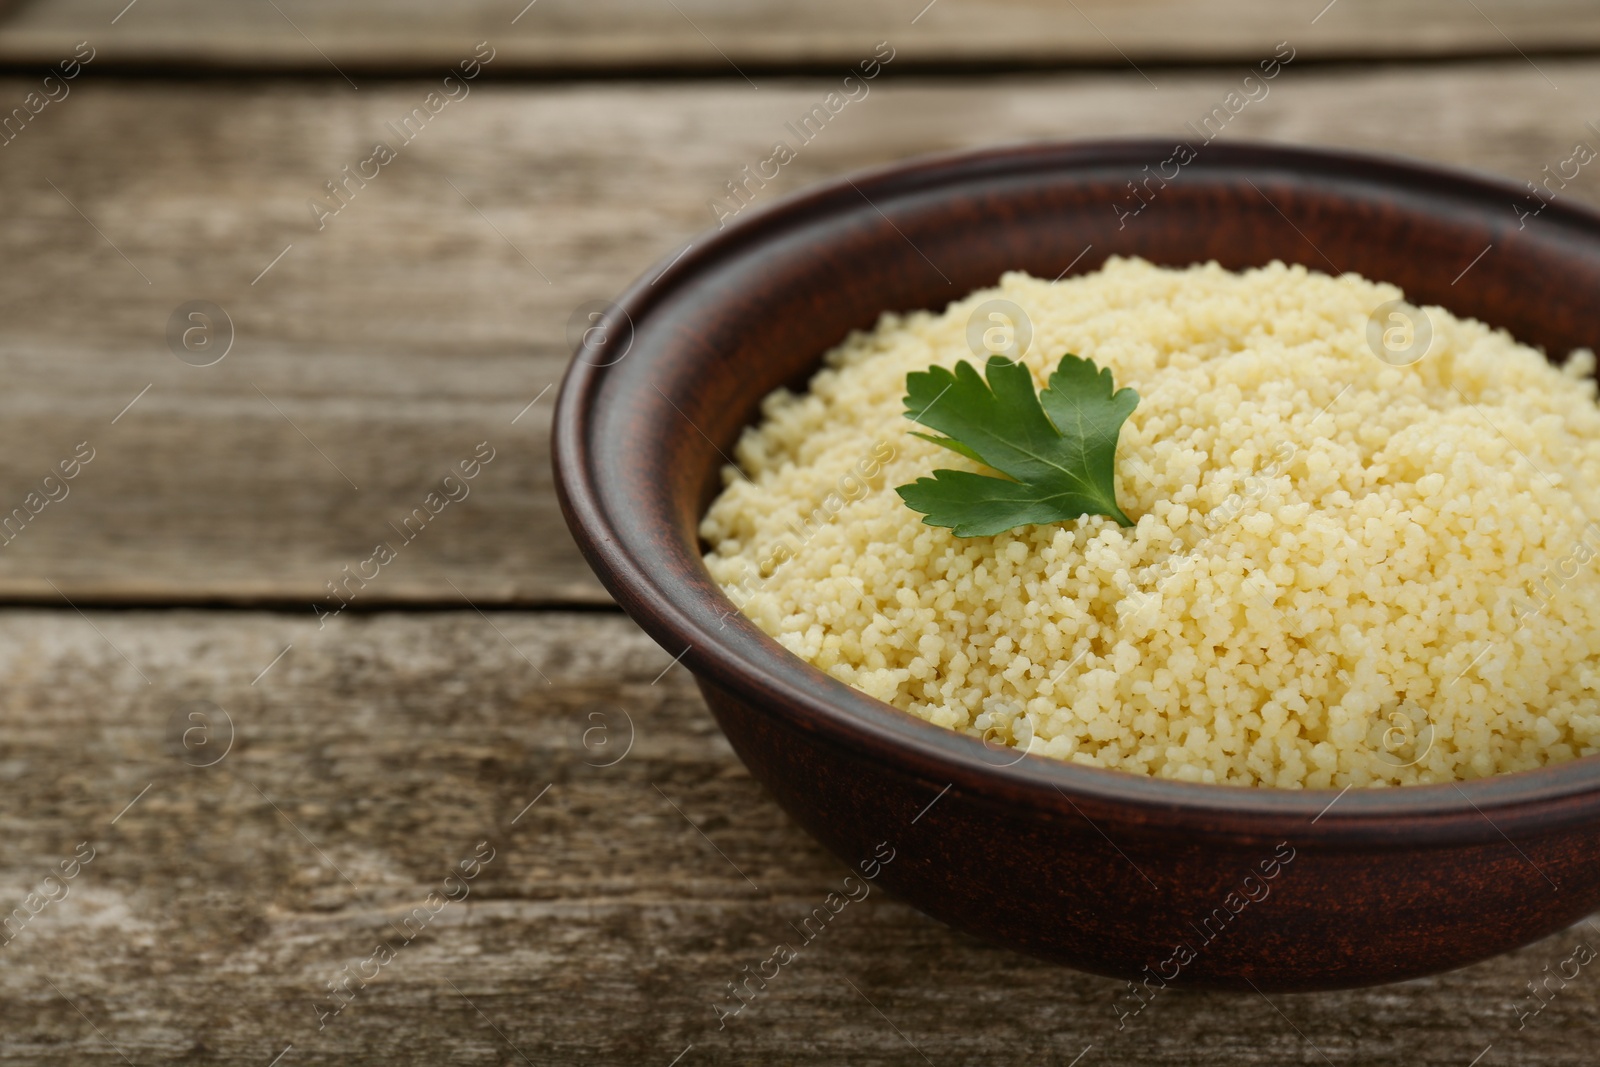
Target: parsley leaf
[(1058, 447)]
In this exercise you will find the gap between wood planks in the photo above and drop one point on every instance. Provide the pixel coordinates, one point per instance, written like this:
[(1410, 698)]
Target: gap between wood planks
[(510, 71), (288, 605)]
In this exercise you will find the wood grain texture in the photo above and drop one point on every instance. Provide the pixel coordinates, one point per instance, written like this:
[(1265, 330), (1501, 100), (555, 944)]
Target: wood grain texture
[(725, 38), (382, 750), (425, 315)]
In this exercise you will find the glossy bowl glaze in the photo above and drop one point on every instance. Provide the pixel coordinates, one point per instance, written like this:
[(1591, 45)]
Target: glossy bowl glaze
[(1154, 881)]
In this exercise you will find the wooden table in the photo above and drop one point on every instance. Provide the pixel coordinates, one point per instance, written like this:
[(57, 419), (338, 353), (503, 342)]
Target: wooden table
[(268, 797)]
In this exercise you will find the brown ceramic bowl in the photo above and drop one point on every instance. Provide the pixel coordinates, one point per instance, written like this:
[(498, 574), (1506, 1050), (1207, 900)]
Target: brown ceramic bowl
[(1101, 870)]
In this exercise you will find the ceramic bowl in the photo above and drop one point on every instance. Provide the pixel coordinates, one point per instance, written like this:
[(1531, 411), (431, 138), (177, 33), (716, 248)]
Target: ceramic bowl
[(1154, 881)]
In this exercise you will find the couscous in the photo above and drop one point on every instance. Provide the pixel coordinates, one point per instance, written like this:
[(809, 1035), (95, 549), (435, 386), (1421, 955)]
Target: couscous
[(1340, 571)]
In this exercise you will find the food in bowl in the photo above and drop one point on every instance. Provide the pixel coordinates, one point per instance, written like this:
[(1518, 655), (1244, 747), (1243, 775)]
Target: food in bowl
[(1340, 571)]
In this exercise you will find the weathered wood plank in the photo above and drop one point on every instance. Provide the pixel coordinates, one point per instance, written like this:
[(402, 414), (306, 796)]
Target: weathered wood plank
[(578, 35), (376, 754), (425, 316)]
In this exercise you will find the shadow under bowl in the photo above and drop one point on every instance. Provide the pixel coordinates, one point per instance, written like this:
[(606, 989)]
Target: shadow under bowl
[(1140, 878)]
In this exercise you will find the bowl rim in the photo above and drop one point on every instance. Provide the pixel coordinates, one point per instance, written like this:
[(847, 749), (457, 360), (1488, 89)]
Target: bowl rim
[(1535, 801)]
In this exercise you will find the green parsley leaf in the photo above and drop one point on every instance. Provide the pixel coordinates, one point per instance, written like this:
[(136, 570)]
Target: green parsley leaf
[(1058, 448)]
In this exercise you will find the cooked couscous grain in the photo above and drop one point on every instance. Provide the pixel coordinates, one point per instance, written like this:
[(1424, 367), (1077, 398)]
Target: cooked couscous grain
[(1341, 571)]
